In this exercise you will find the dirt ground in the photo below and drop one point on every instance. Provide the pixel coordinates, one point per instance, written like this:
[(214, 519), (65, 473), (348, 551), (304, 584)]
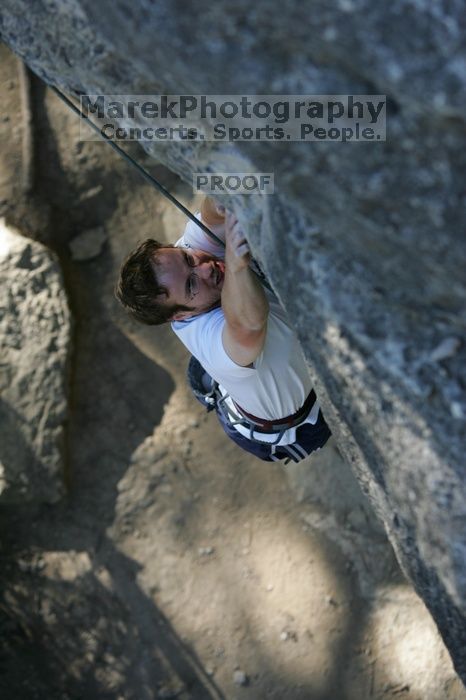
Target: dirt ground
[(179, 566)]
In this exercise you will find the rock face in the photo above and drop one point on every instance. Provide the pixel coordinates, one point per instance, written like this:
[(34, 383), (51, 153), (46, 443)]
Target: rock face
[(34, 341), (364, 243)]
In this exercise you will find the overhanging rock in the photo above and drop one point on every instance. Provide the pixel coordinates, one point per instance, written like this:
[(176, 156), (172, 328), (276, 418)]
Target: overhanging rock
[(364, 243)]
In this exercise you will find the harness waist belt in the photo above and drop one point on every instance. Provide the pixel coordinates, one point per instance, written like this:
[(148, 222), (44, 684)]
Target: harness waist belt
[(281, 423)]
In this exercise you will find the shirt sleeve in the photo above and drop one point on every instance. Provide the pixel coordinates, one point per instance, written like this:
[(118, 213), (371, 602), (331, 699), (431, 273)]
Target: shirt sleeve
[(195, 237)]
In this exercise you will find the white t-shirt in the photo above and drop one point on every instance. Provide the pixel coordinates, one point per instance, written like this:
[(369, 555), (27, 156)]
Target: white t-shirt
[(278, 383)]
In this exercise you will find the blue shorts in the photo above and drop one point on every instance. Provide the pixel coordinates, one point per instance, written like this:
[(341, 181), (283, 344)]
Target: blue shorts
[(308, 437)]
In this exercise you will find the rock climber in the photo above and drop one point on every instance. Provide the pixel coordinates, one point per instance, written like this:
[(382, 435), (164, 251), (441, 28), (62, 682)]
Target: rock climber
[(246, 361)]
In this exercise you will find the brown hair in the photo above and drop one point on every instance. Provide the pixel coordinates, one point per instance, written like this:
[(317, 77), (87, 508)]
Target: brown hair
[(138, 289)]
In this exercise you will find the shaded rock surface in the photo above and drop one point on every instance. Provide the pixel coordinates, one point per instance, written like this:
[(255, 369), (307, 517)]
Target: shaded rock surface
[(177, 558), (88, 245), (373, 232), (34, 346)]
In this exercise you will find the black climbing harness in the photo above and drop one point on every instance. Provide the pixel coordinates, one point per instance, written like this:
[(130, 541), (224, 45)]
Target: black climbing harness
[(234, 418)]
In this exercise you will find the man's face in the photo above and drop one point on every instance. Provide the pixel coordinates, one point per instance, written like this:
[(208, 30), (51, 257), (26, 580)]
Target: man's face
[(192, 277)]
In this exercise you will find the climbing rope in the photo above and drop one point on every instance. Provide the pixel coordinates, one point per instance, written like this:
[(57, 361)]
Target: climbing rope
[(147, 176), (151, 179)]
